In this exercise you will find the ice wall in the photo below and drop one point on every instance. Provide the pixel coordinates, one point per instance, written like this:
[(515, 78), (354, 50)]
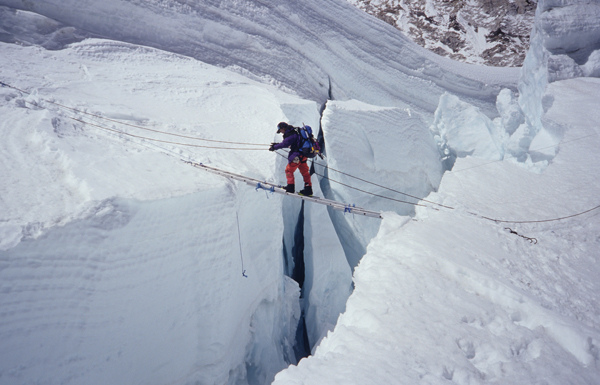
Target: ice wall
[(328, 276), (150, 292), (119, 263), (374, 153), (313, 251)]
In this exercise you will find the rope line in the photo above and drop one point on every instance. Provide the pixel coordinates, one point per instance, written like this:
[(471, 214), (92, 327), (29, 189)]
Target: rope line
[(375, 184), (128, 124), (240, 244), (539, 221), (368, 192), (384, 187), (424, 200), (262, 149), (163, 141)]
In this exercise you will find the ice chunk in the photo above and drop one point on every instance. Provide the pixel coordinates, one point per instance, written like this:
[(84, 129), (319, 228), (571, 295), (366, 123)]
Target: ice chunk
[(511, 116), (461, 129), (592, 67)]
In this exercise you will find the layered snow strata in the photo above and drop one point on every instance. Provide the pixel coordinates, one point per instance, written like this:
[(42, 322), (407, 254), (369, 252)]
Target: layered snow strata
[(148, 292), (118, 260), (309, 47)]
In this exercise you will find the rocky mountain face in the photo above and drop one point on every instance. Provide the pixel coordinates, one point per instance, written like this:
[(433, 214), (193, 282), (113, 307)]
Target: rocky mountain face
[(489, 32)]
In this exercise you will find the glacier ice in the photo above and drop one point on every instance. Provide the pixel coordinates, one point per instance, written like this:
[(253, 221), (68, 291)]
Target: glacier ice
[(461, 129)]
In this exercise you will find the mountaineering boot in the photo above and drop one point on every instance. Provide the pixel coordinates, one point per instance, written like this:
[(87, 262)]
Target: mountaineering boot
[(306, 191), (291, 188)]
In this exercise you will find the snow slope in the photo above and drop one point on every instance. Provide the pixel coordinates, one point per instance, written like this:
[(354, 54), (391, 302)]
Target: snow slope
[(120, 263), (313, 48)]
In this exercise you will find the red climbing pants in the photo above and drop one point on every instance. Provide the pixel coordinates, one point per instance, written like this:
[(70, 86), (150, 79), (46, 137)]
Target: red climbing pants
[(300, 165)]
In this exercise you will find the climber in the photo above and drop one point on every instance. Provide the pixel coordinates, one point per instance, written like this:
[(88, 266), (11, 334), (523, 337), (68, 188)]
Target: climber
[(293, 140)]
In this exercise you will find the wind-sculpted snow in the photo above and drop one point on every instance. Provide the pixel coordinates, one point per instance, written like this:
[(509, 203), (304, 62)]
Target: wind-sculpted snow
[(130, 245), (131, 293), (306, 46)]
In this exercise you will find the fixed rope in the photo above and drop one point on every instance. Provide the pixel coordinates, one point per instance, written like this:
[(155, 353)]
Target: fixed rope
[(120, 132), (161, 140), (240, 244), (372, 183), (71, 109), (438, 204), (541, 220)]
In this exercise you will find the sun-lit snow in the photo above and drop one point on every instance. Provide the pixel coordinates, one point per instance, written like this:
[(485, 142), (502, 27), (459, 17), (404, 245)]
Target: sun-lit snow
[(453, 296), (120, 263)]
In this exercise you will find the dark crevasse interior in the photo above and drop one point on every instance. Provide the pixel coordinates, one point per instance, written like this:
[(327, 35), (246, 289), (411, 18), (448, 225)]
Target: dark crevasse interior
[(302, 345), (294, 256), (295, 266)]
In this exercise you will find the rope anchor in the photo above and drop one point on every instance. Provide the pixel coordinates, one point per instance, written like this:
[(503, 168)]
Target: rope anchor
[(267, 189), (348, 208), (237, 219), (530, 239)]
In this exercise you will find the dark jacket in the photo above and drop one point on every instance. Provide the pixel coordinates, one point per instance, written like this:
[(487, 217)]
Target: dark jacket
[(291, 139)]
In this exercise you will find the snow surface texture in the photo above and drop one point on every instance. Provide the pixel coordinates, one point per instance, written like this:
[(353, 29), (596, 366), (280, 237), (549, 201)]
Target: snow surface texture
[(119, 263), (317, 50), (141, 281), (450, 297)]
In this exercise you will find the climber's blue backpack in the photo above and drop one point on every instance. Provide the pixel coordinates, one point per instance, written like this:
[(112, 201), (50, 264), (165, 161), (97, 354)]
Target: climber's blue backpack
[(308, 146)]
